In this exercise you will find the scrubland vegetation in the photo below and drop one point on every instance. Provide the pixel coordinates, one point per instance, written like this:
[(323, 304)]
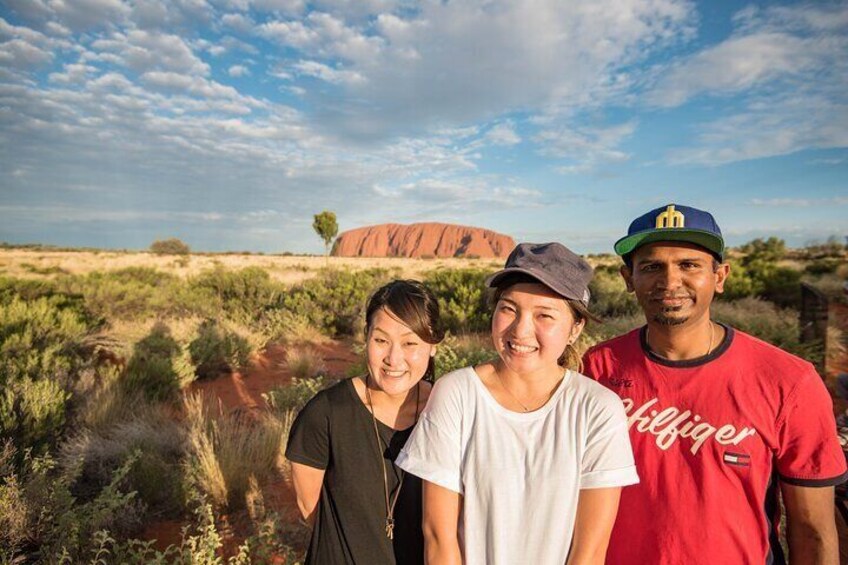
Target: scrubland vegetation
[(101, 432)]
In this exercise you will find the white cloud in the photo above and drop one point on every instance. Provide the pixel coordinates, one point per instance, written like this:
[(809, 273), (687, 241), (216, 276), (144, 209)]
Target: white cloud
[(799, 202), (328, 74), (503, 134), (238, 22), (741, 63), (786, 70), (20, 54), (238, 71), (143, 50), (588, 147), (83, 15)]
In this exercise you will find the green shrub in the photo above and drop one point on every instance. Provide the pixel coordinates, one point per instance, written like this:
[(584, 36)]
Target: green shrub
[(335, 300), (126, 294), (243, 295), (157, 368), (171, 246), (41, 353), (463, 301), (217, 350), (156, 475), (824, 265), (609, 293), (59, 527), (293, 397), (764, 320), (454, 353)]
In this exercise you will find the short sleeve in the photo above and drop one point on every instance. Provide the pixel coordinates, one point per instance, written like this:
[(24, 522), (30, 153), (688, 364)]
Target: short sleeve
[(608, 457), (809, 453), (434, 450), (309, 438)]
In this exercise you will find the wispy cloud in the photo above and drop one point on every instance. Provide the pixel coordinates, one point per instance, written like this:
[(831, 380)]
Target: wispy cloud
[(800, 202)]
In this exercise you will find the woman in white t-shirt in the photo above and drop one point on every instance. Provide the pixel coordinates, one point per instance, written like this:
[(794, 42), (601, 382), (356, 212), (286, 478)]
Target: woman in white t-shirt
[(523, 460)]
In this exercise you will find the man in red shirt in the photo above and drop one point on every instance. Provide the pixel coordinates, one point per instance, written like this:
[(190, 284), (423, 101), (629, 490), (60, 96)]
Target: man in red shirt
[(720, 422)]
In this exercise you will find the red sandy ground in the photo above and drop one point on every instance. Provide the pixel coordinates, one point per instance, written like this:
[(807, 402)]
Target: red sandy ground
[(243, 391)]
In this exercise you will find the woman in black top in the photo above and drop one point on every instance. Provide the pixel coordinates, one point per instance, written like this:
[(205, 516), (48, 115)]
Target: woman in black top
[(343, 444)]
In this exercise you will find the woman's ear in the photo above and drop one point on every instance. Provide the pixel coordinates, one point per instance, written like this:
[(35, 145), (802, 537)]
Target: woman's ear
[(576, 330), (432, 351)]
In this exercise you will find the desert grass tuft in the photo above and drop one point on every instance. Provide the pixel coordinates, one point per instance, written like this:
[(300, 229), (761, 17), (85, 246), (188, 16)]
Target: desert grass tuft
[(304, 362), (226, 450)]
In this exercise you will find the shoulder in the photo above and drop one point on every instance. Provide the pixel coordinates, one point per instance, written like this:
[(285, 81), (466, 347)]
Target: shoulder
[(763, 352), (452, 389), (338, 394), (771, 364), (623, 342), (593, 395)]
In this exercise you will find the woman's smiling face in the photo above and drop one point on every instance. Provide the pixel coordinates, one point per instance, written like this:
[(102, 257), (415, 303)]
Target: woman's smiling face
[(531, 327), (397, 357)]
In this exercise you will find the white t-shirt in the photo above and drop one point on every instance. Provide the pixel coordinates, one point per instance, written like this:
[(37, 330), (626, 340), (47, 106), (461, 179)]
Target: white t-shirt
[(519, 474)]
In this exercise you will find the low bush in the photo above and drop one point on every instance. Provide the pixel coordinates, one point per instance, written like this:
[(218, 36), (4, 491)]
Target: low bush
[(283, 400), (463, 300), (609, 293), (171, 246), (335, 300), (156, 475), (463, 351), (41, 354), (217, 350), (127, 294), (59, 528), (159, 367), (242, 295), (766, 321), (291, 327)]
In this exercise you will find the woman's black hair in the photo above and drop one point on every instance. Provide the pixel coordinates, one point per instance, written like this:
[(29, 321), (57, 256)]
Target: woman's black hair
[(413, 304)]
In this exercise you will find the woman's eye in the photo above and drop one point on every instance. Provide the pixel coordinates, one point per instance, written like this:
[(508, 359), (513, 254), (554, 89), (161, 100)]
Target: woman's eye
[(380, 340), (411, 344)]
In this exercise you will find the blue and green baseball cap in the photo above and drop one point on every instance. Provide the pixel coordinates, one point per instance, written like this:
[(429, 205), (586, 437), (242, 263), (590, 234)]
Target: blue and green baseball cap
[(673, 222)]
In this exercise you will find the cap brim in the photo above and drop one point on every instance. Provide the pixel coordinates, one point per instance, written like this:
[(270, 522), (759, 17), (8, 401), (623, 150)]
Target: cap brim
[(708, 240), (492, 281)]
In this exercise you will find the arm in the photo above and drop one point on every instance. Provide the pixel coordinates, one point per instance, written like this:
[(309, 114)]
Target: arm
[(810, 525), (441, 525), (596, 510), (307, 488)]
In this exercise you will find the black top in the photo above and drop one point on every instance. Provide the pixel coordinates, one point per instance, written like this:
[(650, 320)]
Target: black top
[(334, 432)]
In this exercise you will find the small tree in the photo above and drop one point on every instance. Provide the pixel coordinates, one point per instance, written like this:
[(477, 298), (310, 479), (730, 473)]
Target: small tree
[(172, 246), (326, 226)]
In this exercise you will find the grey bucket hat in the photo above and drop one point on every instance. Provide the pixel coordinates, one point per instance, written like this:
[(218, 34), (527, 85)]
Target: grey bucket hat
[(553, 265)]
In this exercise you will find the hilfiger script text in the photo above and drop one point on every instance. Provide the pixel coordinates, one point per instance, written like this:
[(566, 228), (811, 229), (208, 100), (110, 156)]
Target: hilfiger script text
[(670, 424)]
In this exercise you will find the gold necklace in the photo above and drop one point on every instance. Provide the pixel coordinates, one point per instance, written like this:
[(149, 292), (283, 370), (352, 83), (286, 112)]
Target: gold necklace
[(390, 504), (709, 347), (503, 384)]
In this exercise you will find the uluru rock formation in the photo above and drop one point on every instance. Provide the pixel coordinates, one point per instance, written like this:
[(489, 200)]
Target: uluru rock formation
[(422, 240)]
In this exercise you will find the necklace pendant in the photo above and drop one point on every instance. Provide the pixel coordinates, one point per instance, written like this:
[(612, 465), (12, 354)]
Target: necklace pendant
[(390, 528)]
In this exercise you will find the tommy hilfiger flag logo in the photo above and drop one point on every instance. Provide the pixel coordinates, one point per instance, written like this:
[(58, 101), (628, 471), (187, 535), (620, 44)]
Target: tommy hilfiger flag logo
[(740, 459)]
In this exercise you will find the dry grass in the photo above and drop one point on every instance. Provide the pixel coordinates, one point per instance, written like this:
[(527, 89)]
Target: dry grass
[(230, 452), (304, 361), (25, 263)]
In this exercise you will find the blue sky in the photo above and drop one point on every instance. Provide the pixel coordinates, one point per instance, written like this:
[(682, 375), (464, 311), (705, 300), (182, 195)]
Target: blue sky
[(229, 123)]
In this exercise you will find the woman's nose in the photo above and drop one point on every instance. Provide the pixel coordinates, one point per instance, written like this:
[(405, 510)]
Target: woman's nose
[(394, 356)]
